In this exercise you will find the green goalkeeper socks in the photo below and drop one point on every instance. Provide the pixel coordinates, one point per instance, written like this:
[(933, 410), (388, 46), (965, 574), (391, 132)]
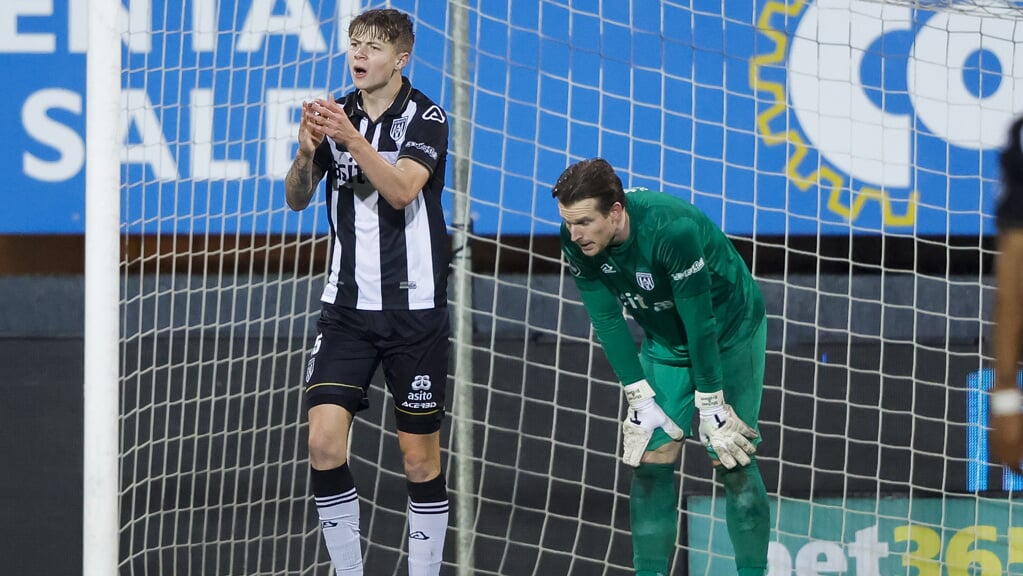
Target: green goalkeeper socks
[(653, 512), (748, 517)]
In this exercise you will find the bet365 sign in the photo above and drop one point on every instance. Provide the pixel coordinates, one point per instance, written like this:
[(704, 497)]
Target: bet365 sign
[(869, 537)]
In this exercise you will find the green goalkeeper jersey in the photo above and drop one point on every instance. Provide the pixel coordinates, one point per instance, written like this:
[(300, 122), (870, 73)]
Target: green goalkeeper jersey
[(680, 278)]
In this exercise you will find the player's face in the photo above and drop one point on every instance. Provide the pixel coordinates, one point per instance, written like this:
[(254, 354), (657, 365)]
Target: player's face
[(589, 228), (373, 62)]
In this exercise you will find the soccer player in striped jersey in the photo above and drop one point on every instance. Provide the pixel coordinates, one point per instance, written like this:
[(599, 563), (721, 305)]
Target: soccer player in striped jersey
[(1006, 437), (674, 271), (383, 149)]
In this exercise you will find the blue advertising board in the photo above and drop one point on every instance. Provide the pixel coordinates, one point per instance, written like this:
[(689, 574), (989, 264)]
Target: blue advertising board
[(979, 468), (791, 117)]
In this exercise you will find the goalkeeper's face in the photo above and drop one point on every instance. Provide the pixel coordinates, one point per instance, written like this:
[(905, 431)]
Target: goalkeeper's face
[(590, 229)]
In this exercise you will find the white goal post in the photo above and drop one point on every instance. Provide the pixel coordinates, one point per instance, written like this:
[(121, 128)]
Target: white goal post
[(101, 423), (847, 147)]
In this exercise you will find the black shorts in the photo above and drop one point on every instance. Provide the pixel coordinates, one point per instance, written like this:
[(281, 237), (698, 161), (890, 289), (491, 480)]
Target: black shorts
[(412, 346)]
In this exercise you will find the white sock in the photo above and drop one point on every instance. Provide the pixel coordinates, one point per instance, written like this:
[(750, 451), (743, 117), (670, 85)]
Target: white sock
[(427, 526), (339, 523)]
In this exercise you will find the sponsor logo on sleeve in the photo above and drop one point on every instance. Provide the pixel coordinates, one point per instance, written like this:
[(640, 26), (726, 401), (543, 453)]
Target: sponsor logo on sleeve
[(696, 267), (424, 148)]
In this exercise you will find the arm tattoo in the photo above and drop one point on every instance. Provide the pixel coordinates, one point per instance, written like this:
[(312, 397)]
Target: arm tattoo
[(301, 182)]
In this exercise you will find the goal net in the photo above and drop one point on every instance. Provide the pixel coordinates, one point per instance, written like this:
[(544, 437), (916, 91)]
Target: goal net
[(849, 148)]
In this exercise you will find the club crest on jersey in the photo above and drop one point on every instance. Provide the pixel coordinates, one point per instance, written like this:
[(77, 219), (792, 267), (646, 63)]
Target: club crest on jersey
[(398, 128), (645, 280)]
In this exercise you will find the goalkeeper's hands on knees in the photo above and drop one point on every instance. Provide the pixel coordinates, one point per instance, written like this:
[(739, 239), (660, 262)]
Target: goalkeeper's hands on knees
[(724, 432), (643, 418)]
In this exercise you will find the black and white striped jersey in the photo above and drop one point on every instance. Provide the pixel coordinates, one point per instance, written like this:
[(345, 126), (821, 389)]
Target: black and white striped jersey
[(382, 258)]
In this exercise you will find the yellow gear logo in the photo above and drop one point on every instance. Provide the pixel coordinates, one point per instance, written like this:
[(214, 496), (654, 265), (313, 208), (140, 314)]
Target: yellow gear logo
[(842, 199)]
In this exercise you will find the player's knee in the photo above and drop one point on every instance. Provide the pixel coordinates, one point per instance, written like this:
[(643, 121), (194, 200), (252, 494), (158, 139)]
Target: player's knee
[(326, 450), (656, 458), (328, 435), (421, 466), (745, 488), (663, 454), (421, 454)]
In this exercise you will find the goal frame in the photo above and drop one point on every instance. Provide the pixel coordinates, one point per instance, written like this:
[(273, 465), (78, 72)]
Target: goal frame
[(101, 448)]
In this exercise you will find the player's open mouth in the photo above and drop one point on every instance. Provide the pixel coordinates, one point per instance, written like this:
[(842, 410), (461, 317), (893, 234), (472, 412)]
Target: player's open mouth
[(358, 71)]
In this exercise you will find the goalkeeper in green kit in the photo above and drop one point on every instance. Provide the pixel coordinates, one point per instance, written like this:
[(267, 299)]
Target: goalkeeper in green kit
[(702, 314)]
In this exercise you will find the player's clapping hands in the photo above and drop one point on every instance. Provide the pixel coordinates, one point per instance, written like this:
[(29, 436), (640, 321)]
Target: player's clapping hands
[(309, 132), (723, 431), (330, 118)]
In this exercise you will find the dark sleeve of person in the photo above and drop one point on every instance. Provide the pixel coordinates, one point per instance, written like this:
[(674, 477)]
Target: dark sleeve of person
[(1009, 212), (606, 315), (426, 138), (680, 253), (605, 311)]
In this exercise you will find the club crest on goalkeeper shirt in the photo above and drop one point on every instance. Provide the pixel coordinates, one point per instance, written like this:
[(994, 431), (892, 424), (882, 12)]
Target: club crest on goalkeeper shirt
[(645, 280)]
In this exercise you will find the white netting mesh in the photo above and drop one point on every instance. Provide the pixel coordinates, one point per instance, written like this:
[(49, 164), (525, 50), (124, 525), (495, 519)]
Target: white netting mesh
[(850, 162)]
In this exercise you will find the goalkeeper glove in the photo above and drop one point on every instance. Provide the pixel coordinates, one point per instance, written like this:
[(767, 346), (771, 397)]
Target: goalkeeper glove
[(724, 432), (644, 416)]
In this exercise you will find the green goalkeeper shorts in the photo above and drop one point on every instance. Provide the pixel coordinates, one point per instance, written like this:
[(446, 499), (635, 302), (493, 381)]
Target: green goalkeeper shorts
[(742, 373)]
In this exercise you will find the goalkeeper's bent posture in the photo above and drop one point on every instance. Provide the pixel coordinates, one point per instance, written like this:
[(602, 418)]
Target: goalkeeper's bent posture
[(704, 344)]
